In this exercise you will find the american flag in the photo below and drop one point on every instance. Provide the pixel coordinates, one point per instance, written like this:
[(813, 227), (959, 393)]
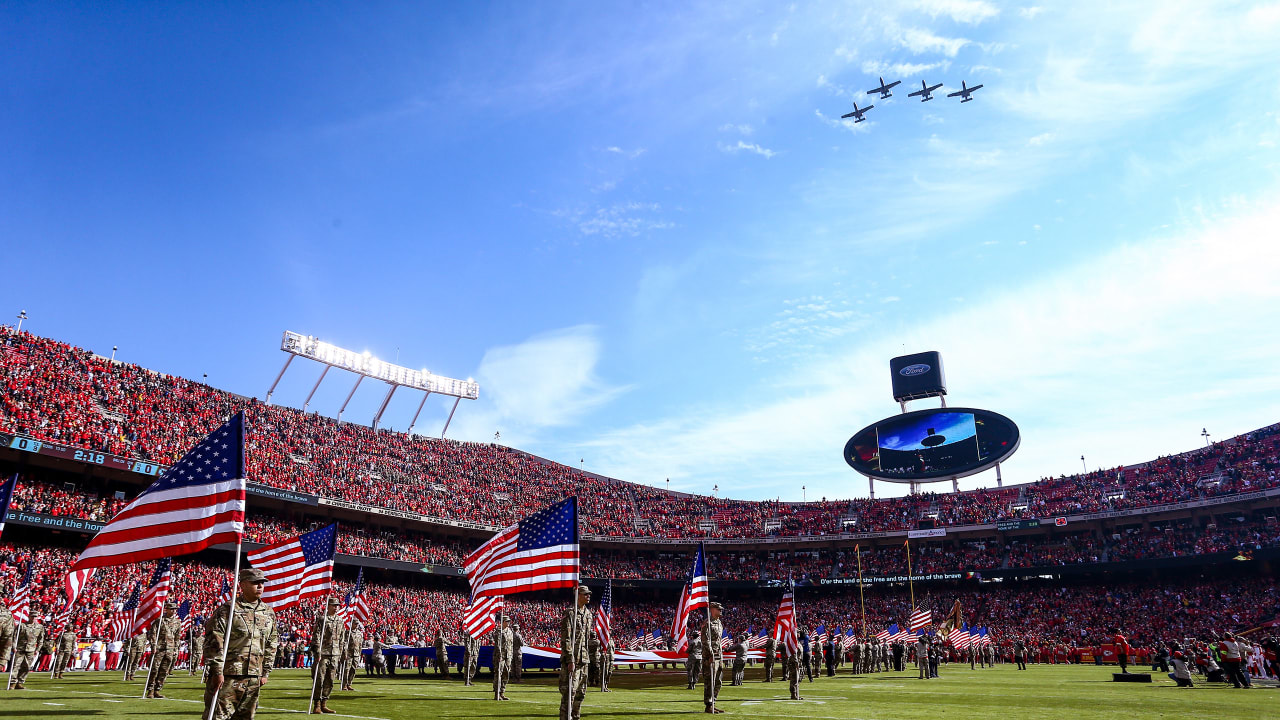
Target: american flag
[(900, 635), (74, 582), (198, 502), (983, 637), (604, 616), (356, 608), (821, 633), (538, 553), (478, 618), (20, 603), (784, 628), (727, 641), (61, 619), (921, 619), (638, 642), (699, 589), (184, 615), (6, 495), (887, 632), (757, 640), (680, 623), (224, 597), (121, 622), (655, 640), (151, 605), (298, 568), (959, 637)]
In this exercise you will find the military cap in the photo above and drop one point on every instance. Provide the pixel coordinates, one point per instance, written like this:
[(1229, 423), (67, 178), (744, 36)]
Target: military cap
[(715, 605), (584, 590), (170, 605), (252, 575)]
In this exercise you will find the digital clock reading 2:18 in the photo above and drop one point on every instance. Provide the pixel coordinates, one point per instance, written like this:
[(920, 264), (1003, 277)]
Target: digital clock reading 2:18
[(89, 456)]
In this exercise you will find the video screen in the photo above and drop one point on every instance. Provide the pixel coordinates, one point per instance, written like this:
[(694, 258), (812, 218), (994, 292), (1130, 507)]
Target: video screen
[(931, 442)]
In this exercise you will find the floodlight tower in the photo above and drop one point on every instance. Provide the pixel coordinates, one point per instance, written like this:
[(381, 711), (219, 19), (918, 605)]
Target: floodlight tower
[(365, 365)]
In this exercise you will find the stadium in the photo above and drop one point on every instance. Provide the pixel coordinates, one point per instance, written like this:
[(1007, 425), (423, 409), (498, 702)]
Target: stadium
[(586, 360), (1180, 548)]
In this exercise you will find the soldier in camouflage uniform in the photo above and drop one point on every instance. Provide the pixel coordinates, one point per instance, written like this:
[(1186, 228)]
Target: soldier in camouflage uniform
[(712, 657), (197, 649), (164, 649), (250, 649), (770, 655), (693, 657), (133, 658), (739, 649), (441, 663), (517, 653), (351, 659), (29, 638), (66, 652), (791, 667), (502, 642), (575, 629), (606, 658), (467, 659), (7, 629), (326, 650), (593, 666)]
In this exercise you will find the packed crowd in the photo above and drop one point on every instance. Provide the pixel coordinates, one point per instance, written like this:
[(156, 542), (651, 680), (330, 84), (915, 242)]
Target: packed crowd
[(53, 391), (1071, 615)]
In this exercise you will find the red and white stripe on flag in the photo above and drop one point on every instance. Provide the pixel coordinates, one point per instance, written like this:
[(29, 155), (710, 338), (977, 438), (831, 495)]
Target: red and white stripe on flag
[(959, 638), (478, 618), (538, 553), (151, 605), (74, 583), (680, 623), (784, 629), (298, 568)]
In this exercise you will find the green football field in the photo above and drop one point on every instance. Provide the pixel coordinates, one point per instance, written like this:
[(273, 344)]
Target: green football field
[(1083, 692)]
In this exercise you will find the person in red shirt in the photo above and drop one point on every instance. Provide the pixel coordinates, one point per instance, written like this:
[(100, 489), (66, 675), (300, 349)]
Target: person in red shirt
[(1122, 650)]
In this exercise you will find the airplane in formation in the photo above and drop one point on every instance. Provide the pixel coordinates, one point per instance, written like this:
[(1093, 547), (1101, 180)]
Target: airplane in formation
[(925, 90), (965, 91), (857, 113), (884, 89)]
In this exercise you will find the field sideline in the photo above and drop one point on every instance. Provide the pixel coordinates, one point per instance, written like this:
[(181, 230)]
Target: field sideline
[(1046, 691)]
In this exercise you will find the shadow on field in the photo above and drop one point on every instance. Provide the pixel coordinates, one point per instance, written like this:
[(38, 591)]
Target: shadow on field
[(49, 713)]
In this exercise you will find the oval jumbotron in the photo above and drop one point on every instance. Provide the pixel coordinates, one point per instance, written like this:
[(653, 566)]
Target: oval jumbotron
[(933, 444)]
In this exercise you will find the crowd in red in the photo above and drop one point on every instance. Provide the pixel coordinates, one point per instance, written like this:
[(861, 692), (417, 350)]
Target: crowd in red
[(53, 391), (1070, 615)]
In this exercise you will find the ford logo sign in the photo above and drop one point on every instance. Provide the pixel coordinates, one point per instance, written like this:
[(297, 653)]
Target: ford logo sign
[(917, 369)]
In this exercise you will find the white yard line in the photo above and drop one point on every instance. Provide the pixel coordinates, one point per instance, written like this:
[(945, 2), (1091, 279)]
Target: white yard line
[(201, 702)]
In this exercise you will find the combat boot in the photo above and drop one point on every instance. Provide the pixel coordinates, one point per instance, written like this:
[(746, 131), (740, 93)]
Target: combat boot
[(324, 708)]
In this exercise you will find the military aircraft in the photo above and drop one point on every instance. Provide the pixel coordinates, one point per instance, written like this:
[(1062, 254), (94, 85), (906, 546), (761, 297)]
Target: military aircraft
[(857, 113), (884, 89), (965, 91), (926, 91)]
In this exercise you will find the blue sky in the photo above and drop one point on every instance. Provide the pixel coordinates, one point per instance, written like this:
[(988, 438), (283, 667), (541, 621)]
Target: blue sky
[(644, 229)]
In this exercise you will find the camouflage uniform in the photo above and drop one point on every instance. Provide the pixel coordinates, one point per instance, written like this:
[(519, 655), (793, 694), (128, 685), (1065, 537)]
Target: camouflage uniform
[(30, 637), (326, 650), (606, 667), (502, 642), (770, 650), (575, 629), (355, 643), (250, 649), (791, 667), (517, 653), (441, 663), (739, 659), (712, 660), (693, 658), (137, 648), (163, 651), (197, 649), (66, 652), (468, 658), (7, 628)]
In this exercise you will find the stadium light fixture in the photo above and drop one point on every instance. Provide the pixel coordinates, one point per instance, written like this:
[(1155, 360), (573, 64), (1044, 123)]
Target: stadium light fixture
[(21, 316), (366, 365)]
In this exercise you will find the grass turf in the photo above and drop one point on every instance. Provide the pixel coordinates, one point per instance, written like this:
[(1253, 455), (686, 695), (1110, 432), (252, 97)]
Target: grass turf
[(1044, 692)]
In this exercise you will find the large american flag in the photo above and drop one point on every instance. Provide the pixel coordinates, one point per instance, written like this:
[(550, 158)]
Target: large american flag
[(20, 603), (6, 495), (655, 640), (61, 619), (784, 628), (920, 619), (478, 618), (538, 553), (356, 606), (121, 623), (198, 502), (151, 606), (604, 616), (887, 632), (757, 640), (298, 568), (959, 637)]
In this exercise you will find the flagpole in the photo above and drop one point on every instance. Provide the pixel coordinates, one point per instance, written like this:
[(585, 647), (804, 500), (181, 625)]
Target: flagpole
[(14, 654), (151, 664), (861, 601), (226, 631), (910, 583), (54, 665), (573, 640), (315, 663)]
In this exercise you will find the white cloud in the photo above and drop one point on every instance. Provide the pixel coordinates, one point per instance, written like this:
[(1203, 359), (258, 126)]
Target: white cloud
[(740, 128), (633, 154), (1040, 139), (1122, 357), (856, 128), (921, 41), (894, 70), (1030, 12), (747, 147), (970, 12), (547, 381), (617, 220)]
